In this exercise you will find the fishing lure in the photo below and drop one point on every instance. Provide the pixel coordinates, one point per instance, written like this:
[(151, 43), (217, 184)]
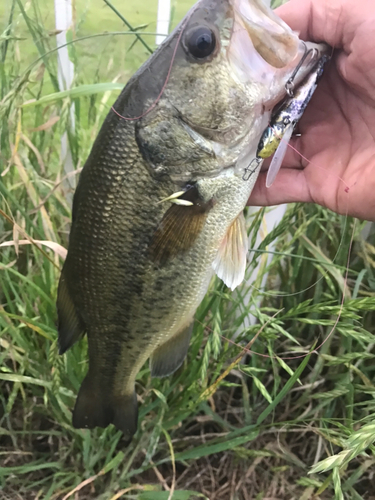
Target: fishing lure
[(276, 137)]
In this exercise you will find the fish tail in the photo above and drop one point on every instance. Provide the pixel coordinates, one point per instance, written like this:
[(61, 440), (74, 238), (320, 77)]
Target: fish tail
[(96, 407)]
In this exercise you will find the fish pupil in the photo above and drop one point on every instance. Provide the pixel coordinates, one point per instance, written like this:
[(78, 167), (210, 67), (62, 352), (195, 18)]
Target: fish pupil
[(201, 42)]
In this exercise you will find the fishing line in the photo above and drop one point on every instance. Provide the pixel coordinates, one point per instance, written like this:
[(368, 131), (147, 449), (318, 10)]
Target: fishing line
[(347, 189), (154, 104), (289, 88), (316, 349)]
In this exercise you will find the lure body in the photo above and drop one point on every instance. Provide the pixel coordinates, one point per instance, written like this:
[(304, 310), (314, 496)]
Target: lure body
[(279, 132)]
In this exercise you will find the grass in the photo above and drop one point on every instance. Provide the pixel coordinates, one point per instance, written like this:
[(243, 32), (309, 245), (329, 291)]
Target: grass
[(219, 429)]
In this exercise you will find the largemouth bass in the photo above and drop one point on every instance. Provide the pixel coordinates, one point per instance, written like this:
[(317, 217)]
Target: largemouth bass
[(188, 122)]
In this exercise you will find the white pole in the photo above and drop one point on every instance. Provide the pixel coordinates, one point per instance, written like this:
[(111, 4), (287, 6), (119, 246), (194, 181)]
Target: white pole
[(63, 22), (163, 20)]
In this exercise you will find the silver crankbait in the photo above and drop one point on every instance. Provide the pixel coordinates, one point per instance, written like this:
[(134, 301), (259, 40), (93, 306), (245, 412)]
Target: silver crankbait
[(276, 137)]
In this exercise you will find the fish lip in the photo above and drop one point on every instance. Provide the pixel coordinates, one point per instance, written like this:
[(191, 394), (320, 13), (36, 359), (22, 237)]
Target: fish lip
[(265, 51), (270, 37)]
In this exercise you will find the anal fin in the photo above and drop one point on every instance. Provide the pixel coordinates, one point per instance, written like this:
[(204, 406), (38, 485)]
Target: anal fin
[(70, 326), (167, 358), (230, 262)]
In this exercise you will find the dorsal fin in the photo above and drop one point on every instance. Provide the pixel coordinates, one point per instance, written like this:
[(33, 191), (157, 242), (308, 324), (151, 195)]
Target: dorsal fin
[(230, 262)]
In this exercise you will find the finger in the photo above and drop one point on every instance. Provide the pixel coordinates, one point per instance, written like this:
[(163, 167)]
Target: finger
[(317, 20), (290, 186)]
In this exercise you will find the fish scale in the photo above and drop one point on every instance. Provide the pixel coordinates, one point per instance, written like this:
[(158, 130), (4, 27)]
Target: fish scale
[(137, 266)]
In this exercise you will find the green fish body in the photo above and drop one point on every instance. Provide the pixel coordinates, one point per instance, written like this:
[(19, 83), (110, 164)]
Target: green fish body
[(137, 268)]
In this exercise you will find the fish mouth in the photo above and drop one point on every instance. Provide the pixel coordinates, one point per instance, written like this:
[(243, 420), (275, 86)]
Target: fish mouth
[(264, 50)]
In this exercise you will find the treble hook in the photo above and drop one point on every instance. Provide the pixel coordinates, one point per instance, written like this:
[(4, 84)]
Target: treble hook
[(289, 86)]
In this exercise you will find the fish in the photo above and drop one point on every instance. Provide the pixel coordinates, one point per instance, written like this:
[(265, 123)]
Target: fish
[(278, 133), (158, 209)]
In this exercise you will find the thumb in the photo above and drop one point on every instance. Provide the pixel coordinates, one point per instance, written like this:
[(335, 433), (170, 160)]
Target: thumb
[(318, 20), (290, 186)]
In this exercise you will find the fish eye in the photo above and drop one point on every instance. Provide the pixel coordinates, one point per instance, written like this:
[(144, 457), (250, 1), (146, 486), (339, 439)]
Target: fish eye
[(201, 42)]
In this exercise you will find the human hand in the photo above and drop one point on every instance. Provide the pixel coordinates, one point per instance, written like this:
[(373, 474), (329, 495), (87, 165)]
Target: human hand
[(337, 169)]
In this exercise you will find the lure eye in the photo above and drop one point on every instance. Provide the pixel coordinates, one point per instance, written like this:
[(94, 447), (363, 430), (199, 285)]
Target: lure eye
[(201, 42)]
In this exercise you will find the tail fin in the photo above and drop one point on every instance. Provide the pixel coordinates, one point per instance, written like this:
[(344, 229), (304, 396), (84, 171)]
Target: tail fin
[(96, 407)]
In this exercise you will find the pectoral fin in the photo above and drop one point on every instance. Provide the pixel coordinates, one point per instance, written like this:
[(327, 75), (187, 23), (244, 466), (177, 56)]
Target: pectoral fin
[(167, 358), (70, 326), (230, 263), (179, 228)]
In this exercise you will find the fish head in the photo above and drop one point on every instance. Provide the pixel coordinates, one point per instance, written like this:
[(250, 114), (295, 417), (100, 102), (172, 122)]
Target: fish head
[(220, 73)]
